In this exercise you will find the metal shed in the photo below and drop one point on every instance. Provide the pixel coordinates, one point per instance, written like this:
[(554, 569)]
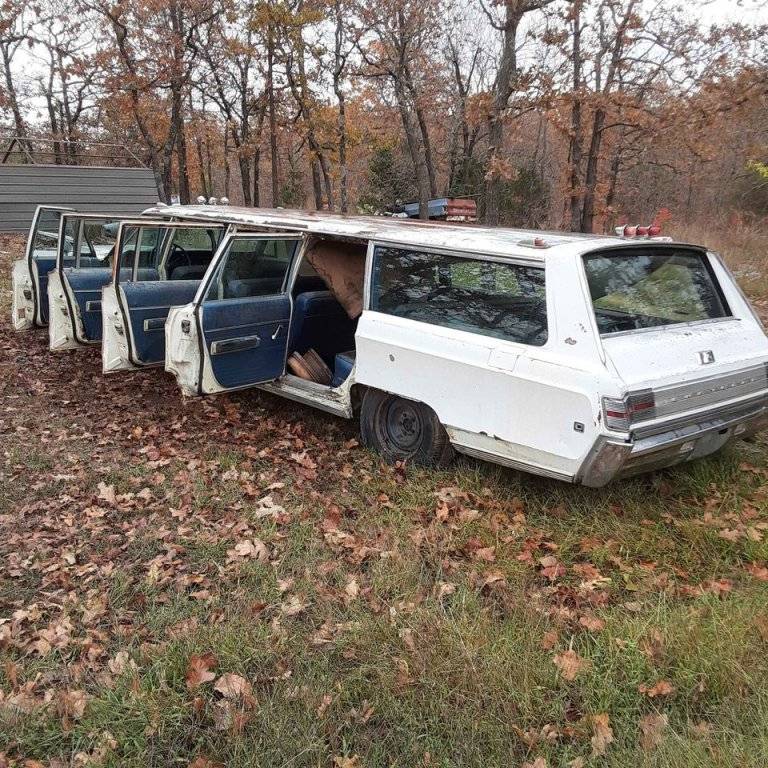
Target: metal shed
[(96, 189)]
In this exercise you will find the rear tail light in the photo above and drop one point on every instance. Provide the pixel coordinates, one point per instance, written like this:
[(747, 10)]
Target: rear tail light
[(623, 414)]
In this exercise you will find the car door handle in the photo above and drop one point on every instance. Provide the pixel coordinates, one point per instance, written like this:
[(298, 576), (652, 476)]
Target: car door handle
[(235, 345), (154, 324), (93, 306)]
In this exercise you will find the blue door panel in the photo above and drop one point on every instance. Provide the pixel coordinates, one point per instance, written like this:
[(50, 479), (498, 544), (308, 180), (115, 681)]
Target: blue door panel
[(43, 267), (247, 338), (148, 305), (86, 285)]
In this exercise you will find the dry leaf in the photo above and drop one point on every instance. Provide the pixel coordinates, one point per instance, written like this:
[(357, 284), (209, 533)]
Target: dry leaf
[(203, 762), (199, 670), (651, 730), (249, 548), (352, 589), (570, 664), (549, 641), (107, 493), (662, 688), (592, 623), (602, 734), (347, 762), (232, 686)]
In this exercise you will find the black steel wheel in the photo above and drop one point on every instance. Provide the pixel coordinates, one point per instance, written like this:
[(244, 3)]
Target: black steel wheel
[(403, 430)]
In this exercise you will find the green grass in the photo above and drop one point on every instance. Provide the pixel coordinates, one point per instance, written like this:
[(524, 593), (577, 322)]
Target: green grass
[(382, 626)]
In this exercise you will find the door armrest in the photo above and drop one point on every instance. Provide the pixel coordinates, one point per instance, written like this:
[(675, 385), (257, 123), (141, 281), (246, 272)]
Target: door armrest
[(235, 345)]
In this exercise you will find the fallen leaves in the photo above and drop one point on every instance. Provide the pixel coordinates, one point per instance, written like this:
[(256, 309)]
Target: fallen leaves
[(759, 572), (551, 568), (253, 549), (570, 664), (652, 728), (592, 623), (661, 688), (602, 734), (232, 686), (71, 706), (235, 708), (200, 670)]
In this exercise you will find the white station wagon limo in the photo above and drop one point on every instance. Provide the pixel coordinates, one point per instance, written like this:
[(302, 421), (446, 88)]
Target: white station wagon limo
[(581, 358)]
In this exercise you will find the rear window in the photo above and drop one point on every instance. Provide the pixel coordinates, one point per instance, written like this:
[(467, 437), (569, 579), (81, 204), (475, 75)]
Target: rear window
[(651, 287)]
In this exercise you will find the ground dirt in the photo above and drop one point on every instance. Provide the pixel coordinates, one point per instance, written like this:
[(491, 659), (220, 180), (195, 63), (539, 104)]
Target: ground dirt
[(234, 581)]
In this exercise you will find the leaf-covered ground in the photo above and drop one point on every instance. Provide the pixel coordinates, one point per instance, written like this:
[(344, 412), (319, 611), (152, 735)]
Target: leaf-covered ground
[(235, 581)]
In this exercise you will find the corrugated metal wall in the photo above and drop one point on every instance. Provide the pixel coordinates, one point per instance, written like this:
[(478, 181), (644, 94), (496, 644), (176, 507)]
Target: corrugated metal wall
[(84, 188)]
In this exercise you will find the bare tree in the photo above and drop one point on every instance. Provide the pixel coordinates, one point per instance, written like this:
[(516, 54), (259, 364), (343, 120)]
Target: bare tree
[(505, 84)]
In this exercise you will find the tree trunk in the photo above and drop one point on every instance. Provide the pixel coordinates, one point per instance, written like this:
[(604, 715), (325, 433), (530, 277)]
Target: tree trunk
[(272, 118), (256, 177), (245, 177), (317, 186), (201, 163), (341, 127), (502, 90), (177, 117), (613, 181), (227, 170), (590, 179), (422, 123), (12, 96), (341, 118), (575, 149), (414, 148)]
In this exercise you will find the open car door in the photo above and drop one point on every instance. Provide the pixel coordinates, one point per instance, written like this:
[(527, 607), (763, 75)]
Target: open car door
[(30, 274), (235, 332), (86, 250), (161, 266)]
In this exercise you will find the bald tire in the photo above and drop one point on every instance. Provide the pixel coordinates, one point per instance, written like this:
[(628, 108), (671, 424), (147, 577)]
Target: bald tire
[(403, 430)]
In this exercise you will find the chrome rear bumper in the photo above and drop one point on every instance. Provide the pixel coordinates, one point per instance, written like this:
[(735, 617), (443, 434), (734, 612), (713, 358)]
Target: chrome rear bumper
[(612, 458)]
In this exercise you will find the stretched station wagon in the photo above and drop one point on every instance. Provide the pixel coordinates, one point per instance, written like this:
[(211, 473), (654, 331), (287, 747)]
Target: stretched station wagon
[(581, 358)]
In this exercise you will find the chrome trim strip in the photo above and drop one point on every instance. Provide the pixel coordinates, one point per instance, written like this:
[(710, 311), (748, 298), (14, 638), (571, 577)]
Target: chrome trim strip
[(522, 466)]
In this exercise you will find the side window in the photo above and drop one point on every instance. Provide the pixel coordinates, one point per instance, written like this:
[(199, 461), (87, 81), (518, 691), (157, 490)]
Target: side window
[(196, 239), (70, 234), (46, 236), (147, 244), (492, 298), (253, 267), (96, 243)]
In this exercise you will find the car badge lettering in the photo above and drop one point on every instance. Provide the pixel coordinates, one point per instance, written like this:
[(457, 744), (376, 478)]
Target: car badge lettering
[(706, 357)]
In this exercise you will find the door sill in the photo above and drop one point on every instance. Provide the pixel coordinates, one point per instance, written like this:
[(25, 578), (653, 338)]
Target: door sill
[(329, 399)]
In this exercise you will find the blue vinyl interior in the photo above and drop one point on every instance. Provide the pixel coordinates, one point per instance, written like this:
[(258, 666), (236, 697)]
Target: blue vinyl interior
[(152, 300), (43, 266), (86, 284), (342, 367), (319, 322), (268, 318)]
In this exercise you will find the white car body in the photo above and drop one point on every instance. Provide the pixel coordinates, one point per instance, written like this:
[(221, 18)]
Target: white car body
[(536, 408)]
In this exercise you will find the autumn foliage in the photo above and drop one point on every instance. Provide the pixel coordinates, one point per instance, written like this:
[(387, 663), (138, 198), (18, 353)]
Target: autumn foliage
[(574, 114)]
